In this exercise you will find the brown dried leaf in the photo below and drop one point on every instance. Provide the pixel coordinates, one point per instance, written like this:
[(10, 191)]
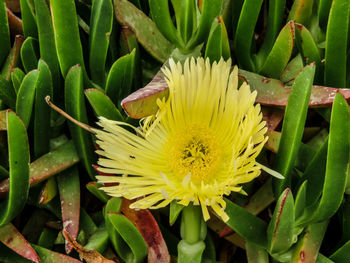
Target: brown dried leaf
[(90, 256)]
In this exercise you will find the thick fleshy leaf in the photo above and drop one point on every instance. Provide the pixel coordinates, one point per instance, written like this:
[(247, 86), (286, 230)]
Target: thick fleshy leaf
[(218, 42), (145, 30), (26, 95), (30, 54), (13, 239), (256, 254), (162, 18), (149, 229), (100, 30), (47, 45), (314, 174), (245, 33), (69, 189), (5, 43), (28, 18), (75, 107), (142, 102), (120, 76), (174, 211), (210, 9), (48, 256), (280, 229), (48, 192), (65, 24), (280, 53), (19, 159), (309, 50), (245, 224), (187, 20), (342, 254), (308, 245), (102, 104), (93, 188), (17, 76), (271, 92), (15, 23), (274, 22), (12, 58), (42, 110), (48, 165), (293, 127), (336, 44), (294, 66), (337, 161), (324, 7), (301, 11), (7, 94), (126, 239)]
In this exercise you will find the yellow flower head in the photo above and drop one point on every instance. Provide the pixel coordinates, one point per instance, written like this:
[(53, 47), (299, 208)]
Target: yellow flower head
[(201, 145)]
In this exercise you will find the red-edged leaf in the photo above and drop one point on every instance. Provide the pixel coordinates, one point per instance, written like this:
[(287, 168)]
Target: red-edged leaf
[(149, 229), (69, 189), (15, 23), (271, 92), (48, 165), (14, 240), (12, 58), (142, 102)]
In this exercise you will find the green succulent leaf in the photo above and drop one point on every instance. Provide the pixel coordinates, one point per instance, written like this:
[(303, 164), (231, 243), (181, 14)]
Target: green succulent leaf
[(100, 30), (245, 32), (5, 44), (293, 126), (161, 16), (30, 54), (280, 229), (125, 237), (336, 44), (26, 95), (245, 224), (280, 53), (19, 159), (102, 105), (75, 106)]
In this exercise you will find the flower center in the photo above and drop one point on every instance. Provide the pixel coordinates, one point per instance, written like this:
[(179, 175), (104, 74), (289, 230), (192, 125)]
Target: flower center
[(194, 150)]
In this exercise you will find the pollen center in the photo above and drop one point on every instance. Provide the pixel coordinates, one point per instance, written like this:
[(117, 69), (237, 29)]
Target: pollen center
[(194, 151)]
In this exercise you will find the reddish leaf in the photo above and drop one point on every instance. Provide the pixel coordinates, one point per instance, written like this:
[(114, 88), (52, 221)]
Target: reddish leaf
[(142, 102), (14, 240), (48, 165), (12, 58), (272, 116), (69, 189), (271, 92), (15, 23), (149, 229)]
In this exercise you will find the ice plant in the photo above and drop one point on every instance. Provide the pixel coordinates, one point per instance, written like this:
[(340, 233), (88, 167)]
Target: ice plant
[(200, 146)]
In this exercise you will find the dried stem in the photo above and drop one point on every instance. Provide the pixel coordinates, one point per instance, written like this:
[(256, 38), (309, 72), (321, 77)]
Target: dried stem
[(67, 116)]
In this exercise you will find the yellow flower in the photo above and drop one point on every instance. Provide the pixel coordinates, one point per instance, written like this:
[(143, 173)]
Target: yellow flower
[(200, 146)]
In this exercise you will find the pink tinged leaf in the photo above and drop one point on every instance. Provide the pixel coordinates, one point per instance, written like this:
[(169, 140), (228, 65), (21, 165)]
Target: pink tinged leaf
[(47, 165), (14, 240), (149, 229), (69, 189), (271, 92)]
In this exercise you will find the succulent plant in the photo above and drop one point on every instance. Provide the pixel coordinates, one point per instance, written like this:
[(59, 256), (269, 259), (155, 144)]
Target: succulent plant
[(103, 58)]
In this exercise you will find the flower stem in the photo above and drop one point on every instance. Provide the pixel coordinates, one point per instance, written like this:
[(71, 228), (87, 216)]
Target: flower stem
[(193, 232)]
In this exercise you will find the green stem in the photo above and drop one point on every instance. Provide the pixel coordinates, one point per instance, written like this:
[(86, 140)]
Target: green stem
[(193, 232)]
